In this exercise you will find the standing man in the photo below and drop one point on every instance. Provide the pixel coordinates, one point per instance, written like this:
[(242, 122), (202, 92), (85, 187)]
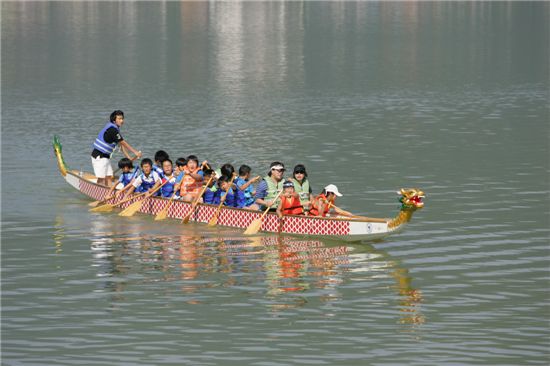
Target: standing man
[(105, 144)]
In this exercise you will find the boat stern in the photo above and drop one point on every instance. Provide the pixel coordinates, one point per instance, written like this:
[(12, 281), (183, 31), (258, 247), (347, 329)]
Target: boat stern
[(58, 151)]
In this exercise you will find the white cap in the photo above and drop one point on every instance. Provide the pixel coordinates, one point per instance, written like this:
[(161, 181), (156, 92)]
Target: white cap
[(332, 188)]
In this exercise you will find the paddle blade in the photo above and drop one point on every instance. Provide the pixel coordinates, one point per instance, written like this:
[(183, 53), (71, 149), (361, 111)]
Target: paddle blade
[(94, 204), (162, 214), (213, 220), (254, 227), (132, 209), (103, 208), (186, 218)]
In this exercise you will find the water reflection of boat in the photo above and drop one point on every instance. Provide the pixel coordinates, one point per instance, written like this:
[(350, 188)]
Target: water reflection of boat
[(355, 229), (286, 271)]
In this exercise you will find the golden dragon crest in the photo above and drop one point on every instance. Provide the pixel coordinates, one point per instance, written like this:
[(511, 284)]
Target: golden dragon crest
[(411, 200)]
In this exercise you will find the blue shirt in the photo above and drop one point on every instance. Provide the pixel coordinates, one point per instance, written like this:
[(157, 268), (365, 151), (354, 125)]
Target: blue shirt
[(229, 201), (126, 178), (239, 199), (159, 170), (261, 191), (209, 195), (168, 189), (247, 193)]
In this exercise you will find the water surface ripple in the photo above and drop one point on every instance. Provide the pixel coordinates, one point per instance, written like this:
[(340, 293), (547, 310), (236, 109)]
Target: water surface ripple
[(449, 97)]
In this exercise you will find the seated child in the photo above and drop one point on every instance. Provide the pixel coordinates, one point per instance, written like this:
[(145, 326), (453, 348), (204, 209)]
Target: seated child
[(167, 189), (321, 204), (179, 172), (244, 184), (160, 156), (147, 181), (226, 169), (224, 190), (125, 178), (180, 165), (210, 192), (290, 201), (191, 182)]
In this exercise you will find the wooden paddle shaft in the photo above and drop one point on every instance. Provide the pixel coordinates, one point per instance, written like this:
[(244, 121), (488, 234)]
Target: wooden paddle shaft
[(141, 194), (267, 209), (194, 204)]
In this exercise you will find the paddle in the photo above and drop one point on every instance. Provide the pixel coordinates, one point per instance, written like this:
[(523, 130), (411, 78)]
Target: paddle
[(214, 218), (96, 203), (185, 220), (164, 212), (330, 204), (109, 207), (255, 225), (136, 206)]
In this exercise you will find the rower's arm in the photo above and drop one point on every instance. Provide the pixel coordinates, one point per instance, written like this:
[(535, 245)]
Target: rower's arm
[(250, 181), (124, 145), (321, 207), (157, 184), (124, 150), (342, 212)]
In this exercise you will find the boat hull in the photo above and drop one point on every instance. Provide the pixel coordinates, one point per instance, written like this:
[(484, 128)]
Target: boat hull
[(334, 228)]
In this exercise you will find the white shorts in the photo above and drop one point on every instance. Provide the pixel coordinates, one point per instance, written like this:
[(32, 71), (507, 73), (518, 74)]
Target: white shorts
[(102, 167)]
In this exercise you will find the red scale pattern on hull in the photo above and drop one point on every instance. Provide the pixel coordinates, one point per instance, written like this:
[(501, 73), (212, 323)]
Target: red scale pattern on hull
[(230, 217)]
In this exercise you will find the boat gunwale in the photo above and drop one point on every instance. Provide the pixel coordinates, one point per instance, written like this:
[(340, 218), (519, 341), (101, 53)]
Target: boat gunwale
[(76, 174)]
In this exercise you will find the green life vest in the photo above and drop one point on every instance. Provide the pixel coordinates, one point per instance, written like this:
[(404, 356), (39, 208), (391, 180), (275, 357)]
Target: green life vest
[(302, 190), (273, 190)]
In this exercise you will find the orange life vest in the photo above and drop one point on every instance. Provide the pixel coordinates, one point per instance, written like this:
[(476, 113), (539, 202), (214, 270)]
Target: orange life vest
[(188, 184), (314, 210), (292, 206)]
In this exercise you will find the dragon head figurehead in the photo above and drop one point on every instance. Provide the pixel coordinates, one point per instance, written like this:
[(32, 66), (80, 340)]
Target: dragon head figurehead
[(411, 198)]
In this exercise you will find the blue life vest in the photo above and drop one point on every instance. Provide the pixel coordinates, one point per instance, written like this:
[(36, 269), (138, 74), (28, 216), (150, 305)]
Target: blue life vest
[(159, 170), (100, 144), (248, 198), (239, 199), (126, 178), (168, 188), (147, 182), (229, 200), (209, 195)]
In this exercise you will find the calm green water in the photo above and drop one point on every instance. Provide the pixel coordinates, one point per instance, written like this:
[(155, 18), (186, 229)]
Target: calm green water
[(449, 97)]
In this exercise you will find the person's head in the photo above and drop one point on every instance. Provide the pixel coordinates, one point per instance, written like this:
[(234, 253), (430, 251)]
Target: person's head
[(223, 182), (300, 173), (207, 175), (288, 188), (125, 165), (167, 167), (244, 171), (117, 117), (227, 170), (331, 192), (181, 163), (146, 166), (276, 171), (160, 156), (192, 162)]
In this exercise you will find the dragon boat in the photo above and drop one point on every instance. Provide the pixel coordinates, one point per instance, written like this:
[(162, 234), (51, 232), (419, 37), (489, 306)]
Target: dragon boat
[(340, 228)]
